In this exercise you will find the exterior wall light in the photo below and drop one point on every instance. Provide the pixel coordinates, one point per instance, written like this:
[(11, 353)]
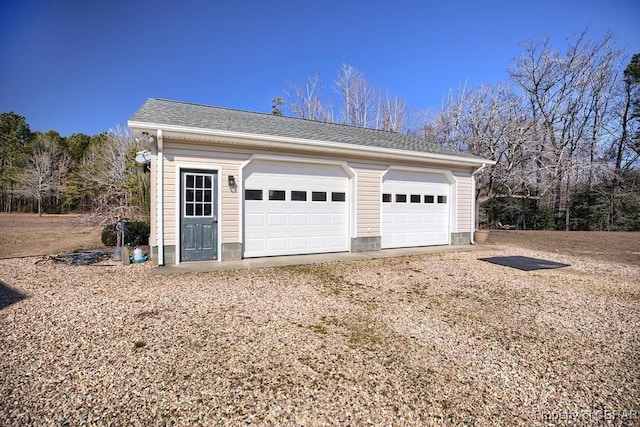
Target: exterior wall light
[(232, 181), (146, 135)]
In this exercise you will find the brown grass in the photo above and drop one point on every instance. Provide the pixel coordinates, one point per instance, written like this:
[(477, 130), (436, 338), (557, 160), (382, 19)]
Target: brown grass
[(600, 245), (31, 235)]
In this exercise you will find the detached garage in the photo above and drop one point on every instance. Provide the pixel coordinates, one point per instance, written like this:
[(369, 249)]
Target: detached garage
[(229, 184)]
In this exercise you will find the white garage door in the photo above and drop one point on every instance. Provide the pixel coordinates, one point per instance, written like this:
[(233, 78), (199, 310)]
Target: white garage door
[(295, 208), (415, 209)]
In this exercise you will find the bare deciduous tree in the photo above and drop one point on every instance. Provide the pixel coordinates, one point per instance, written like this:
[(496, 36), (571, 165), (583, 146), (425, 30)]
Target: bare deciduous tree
[(45, 168), (306, 102), (109, 169), (565, 92)]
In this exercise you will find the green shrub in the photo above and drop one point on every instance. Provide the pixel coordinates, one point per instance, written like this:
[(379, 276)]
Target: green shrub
[(109, 237), (136, 233)]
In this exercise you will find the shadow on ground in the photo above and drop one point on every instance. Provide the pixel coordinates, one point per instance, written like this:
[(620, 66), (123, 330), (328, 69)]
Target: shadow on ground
[(9, 296)]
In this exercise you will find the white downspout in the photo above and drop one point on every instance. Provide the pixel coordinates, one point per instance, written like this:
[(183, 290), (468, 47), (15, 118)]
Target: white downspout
[(160, 208), (473, 201)]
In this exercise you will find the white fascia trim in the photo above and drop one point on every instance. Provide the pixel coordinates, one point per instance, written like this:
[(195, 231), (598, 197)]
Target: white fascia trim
[(473, 201), (408, 155), (291, 159), (451, 179)]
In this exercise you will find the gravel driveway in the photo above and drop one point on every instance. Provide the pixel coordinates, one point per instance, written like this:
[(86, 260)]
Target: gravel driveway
[(419, 340)]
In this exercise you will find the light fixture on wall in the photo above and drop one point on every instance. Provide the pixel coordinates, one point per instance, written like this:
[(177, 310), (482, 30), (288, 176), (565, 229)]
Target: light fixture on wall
[(232, 181), (148, 137)]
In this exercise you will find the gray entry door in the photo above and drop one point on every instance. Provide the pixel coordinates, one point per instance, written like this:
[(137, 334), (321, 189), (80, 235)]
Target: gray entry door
[(198, 215)]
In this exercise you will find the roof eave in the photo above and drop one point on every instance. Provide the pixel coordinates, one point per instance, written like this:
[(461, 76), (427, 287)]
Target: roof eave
[(303, 143)]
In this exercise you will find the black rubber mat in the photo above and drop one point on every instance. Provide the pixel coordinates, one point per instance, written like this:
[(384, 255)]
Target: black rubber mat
[(524, 263)]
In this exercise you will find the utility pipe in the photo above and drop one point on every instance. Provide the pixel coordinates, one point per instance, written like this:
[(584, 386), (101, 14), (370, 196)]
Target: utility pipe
[(160, 198), (473, 201)]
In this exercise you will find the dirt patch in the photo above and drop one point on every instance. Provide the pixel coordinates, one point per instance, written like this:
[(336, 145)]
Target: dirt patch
[(600, 245), (31, 235)]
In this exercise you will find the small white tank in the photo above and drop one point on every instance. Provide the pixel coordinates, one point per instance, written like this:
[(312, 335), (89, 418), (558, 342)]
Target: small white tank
[(137, 254)]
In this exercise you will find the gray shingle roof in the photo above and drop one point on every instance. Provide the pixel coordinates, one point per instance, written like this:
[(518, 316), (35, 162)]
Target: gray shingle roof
[(174, 113)]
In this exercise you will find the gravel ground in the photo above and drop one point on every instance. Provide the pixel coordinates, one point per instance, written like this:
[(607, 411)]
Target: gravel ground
[(421, 340)]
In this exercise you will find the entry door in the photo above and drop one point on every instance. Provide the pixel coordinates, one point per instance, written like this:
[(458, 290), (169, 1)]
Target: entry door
[(199, 215)]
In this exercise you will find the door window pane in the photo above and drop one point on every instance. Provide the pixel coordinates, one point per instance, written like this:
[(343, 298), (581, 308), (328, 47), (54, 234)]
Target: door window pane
[(401, 198), (428, 199), (319, 196), (386, 198), (415, 198), (198, 194), (253, 194), (442, 199)]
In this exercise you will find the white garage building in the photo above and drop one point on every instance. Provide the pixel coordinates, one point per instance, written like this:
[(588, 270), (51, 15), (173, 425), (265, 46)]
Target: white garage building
[(229, 184)]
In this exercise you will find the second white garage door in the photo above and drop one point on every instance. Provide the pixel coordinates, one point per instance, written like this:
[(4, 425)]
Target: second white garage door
[(415, 209), (295, 208)]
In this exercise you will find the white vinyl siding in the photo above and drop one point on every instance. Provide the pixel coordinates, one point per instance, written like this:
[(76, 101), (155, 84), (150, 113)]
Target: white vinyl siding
[(368, 199), (463, 202), (201, 156)]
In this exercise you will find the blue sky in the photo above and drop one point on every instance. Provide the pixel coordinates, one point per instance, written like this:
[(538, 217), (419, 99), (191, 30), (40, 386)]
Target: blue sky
[(84, 66)]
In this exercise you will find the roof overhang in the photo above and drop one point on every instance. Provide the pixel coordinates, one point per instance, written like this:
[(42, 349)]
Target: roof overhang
[(251, 140)]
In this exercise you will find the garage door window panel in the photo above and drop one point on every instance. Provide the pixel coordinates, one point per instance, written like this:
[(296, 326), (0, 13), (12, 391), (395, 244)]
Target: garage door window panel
[(415, 198), (386, 198), (429, 199), (401, 198), (253, 194), (442, 199), (277, 194), (298, 196), (319, 196), (338, 197)]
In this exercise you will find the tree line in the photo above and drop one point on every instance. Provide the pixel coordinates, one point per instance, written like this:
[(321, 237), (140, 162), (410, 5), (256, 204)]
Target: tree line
[(564, 132), (45, 172)]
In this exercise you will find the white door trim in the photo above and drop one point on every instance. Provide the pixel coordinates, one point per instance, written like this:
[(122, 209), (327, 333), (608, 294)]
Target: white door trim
[(178, 200)]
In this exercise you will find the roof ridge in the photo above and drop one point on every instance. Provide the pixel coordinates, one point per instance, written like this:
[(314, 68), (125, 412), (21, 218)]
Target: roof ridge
[(302, 119)]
